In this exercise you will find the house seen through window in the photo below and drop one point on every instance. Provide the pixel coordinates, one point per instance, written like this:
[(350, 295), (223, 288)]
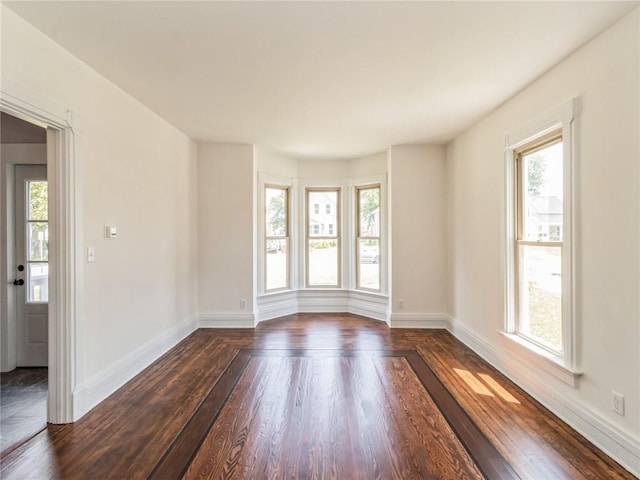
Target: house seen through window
[(323, 238)]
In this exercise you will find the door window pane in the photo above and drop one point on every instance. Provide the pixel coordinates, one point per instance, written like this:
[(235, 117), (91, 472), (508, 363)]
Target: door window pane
[(369, 264), (38, 233), (38, 200), (323, 262), (540, 300), (37, 241), (38, 282), (542, 194)]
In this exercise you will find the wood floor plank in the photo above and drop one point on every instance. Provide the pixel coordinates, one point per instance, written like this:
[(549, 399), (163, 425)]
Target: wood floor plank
[(535, 442), (174, 461), (126, 436), (337, 417)]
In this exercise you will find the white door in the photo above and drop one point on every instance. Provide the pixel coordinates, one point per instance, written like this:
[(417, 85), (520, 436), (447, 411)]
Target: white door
[(32, 265)]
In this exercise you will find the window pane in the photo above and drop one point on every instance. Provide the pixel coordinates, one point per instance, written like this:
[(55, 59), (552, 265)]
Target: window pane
[(540, 295), (320, 219), (276, 212), (38, 282), (276, 264), (369, 209), (542, 194), (38, 206), (369, 264), (38, 234), (323, 263)]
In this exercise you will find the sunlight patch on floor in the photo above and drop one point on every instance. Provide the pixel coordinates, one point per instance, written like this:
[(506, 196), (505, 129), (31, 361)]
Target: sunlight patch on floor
[(475, 384)]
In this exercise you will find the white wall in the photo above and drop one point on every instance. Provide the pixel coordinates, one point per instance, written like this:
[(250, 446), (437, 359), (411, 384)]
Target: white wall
[(375, 164), (604, 74), (137, 172), (274, 164), (418, 235), (323, 169), (226, 226)]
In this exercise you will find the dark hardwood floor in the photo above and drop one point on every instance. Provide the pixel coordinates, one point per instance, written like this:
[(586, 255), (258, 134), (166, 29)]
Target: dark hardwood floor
[(314, 396)]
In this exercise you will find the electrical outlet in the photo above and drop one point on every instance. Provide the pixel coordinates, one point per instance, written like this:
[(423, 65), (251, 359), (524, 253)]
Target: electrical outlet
[(243, 303), (617, 402)]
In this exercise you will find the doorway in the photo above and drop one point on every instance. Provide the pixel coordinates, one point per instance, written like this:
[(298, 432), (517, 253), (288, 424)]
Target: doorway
[(62, 133), (25, 234)]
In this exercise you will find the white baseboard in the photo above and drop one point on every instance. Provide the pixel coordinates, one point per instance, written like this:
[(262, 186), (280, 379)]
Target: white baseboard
[(102, 385), (368, 305), (323, 301), (420, 320), (276, 305), (616, 443), (227, 320)]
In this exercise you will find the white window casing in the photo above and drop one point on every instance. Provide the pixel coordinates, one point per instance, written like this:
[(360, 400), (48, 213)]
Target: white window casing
[(562, 119)]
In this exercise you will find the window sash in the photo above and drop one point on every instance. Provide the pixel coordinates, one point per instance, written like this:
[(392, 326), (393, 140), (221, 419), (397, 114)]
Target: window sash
[(360, 237), (267, 253), (523, 298), (285, 190), (268, 239), (311, 237), (541, 143)]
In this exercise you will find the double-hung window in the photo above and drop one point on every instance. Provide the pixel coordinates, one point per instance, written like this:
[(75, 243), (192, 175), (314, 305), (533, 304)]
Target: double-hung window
[(276, 238), (539, 243), (540, 233), (323, 237), (368, 237)]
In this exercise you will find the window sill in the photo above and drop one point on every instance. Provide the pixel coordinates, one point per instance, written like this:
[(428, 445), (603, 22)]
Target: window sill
[(321, 290), (540, 358)]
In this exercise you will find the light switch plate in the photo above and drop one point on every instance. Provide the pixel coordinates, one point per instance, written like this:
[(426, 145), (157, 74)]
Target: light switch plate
[(111, 231)]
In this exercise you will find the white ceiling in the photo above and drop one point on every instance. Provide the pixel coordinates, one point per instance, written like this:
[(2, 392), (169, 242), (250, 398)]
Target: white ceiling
[(326, 79)]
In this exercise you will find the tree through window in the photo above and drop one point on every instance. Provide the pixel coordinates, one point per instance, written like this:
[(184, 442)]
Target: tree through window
[(368, 237), (276, 238)]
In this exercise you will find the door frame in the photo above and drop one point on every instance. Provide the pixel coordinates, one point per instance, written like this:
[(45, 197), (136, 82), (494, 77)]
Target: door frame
[(64, 242)]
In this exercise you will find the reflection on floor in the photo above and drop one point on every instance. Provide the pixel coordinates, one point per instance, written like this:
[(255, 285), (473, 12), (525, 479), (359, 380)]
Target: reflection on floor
[(23, 405)]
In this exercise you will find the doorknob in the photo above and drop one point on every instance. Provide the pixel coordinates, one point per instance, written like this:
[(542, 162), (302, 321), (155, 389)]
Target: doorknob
[(18, 281)]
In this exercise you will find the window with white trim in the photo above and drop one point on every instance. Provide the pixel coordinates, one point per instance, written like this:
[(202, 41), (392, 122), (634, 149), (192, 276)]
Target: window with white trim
[(323, 243), (276, 238), (368, 237), (539, 254)]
